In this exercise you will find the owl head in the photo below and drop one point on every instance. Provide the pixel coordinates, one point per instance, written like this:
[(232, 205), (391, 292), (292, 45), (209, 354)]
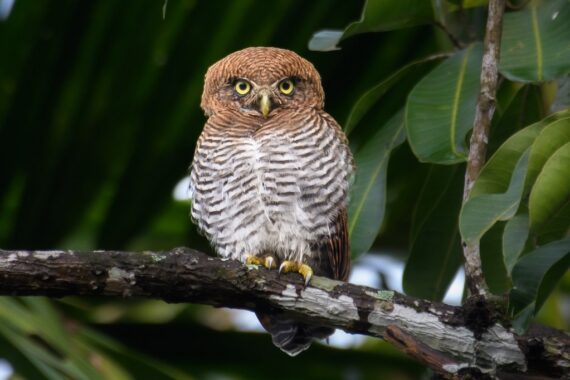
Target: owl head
[(260, 81)]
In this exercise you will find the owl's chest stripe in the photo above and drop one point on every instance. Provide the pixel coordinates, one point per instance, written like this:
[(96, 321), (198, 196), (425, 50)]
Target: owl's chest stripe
[(273, 188), (256, 159)]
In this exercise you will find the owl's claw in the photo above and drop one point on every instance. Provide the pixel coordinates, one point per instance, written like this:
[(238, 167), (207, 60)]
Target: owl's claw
[(267, 261), (294, 266)]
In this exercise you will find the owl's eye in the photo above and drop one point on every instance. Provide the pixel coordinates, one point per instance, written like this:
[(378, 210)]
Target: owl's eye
[(242, 87), (286, 86)]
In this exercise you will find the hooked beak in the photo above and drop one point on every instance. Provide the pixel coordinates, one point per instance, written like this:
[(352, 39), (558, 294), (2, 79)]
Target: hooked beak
[(264, 104)]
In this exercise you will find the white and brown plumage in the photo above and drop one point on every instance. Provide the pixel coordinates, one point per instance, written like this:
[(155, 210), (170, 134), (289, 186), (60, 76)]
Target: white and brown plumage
[(270, 174)]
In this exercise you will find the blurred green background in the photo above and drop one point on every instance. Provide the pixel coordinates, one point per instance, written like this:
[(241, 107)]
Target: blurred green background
[(99, 114), (100, 108)]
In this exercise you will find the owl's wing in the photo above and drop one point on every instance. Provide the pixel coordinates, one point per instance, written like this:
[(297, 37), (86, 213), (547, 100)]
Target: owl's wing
[(337, 248)]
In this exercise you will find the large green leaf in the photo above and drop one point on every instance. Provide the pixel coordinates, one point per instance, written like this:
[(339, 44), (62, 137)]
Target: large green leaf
[(536, 42), (481, 212), (383, 15), (495, 186), (495, 176), (435, 253), (536, 274), (514, 239), (368, 193), (556, 227), (552, 137), (371, 97), (441, 108), (377, 16), (551, 191)]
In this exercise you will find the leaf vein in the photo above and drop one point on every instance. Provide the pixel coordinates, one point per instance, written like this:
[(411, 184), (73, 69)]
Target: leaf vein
[(538, 43)]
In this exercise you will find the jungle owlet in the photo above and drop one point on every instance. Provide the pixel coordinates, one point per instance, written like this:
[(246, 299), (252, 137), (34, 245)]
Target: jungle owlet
[(270, 175)]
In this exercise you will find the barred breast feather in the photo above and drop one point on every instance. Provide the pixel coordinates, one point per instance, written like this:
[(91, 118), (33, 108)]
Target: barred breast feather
[(277, 186)]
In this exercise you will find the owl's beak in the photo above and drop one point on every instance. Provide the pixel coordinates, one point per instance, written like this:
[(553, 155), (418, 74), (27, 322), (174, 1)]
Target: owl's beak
[(264, 104)]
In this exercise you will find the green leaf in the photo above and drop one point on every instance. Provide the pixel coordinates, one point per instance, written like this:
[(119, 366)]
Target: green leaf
[(377, 16), (368, 193), (514, 239), (384, 15), (495, 176), (523, 317), (556, 227), (552, 137), (535, 43), (435, 253), (371, 97), (441, 108), (45, 315), (46, 361), (492, 262), (481, 212), (536, 274), (138, 365), (551, 191), (36, 330)]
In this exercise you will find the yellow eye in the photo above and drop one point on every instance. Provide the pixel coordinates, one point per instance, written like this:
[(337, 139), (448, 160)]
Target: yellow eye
[(286, 87), (242, 87)]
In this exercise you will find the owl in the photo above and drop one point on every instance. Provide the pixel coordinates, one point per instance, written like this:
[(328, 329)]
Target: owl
[(270, 175)]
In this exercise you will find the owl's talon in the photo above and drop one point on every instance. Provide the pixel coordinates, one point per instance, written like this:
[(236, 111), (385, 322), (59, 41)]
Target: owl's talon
[(267, 261), (285, 267), (294, 266), (307, 272), (252, 260)]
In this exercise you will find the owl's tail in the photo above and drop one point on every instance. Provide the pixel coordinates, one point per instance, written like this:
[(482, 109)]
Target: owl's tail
[(291, 336)]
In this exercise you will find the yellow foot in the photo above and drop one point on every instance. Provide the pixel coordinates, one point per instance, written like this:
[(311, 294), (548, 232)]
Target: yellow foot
[(266, 261), (294, 266)]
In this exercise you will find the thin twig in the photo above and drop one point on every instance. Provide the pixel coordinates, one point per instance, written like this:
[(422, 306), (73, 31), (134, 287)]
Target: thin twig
[(486, 103), (454, 40)]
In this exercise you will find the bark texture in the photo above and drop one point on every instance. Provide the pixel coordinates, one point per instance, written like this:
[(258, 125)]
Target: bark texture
[(457, 342), (486, 103)]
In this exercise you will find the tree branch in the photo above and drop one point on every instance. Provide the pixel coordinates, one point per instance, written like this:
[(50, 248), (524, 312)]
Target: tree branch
[(421, 352), (486, 103), (458, 339)]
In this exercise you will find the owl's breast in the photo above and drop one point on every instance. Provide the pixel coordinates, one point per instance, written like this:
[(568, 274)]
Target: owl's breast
[(276, 189)]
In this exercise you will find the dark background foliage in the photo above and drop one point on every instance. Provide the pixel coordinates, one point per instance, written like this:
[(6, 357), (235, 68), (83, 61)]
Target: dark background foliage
[(99, 114)]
